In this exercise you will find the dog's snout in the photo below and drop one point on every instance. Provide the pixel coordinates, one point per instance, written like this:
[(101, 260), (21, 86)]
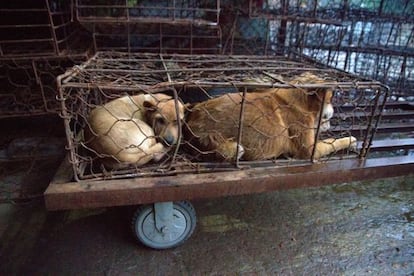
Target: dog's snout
[(328, 112), (169, 140)]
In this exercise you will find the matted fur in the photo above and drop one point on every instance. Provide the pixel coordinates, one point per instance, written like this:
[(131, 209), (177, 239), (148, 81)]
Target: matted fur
[(275, 122), (124, 131)]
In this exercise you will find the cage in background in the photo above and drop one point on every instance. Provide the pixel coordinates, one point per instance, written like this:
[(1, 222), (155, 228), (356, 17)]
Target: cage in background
[(35, 28), (190, 27), (158, 37), (370, 38), (28, 86), (38, 41)]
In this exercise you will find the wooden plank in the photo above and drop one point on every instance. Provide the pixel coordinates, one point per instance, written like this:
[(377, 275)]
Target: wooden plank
[(90, 194), (64, 172)]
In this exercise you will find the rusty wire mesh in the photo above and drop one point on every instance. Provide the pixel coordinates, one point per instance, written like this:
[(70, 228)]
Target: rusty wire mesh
[(190, 27), (36, 28), (158, 37), (370, 38), (172, 12), (194, 78), (38, 41), (28, 85)]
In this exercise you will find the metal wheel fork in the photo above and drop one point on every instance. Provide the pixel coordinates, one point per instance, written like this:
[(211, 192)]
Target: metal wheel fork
[(163, 216), (164, 225)]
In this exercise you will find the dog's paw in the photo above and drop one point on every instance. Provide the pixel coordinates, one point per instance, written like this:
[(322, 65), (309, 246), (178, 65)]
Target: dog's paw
[(158, 152), (230, 151), (158, 156), (353, 143), (240, 152)]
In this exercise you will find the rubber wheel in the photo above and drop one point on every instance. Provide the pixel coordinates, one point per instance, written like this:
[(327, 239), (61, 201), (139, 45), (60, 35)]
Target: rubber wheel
[(184, 222)]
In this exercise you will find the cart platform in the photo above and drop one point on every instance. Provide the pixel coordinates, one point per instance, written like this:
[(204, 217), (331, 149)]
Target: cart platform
[(62, 193)]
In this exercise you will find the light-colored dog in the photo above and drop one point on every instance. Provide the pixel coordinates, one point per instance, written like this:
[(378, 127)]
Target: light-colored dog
[(275, 122), (125, 131)]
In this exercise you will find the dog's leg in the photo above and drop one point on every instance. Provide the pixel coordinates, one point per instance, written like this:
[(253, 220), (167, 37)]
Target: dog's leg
[(156, 152), (331, 145), (228, 151)]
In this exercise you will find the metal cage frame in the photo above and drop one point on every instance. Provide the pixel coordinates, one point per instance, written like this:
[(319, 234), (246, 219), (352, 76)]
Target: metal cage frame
[(109, 75)]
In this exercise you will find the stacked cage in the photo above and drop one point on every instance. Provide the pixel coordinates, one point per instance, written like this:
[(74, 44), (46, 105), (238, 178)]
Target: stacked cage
[(38, 42), (370, 38), (163, 26)]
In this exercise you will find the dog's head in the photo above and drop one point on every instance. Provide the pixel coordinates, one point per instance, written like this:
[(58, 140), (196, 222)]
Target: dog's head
[(163, 114), (318, 98), (325, 96)]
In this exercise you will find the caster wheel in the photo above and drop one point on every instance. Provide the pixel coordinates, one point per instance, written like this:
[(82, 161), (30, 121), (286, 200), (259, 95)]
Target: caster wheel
[(164, 225)]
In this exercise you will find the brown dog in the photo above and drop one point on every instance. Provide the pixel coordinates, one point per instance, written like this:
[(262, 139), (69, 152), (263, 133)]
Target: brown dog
[(124, 131), (275, 122)]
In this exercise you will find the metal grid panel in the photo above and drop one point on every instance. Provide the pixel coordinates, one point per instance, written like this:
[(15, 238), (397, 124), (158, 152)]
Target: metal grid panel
[(28, 86), (152, 37), (189, 78), (365, 37), (133, 11), (38, 41), (35, 28)]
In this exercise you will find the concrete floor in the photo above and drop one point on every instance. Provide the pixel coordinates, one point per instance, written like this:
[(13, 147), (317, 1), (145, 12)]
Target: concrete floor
[(362, 228), (348, 229)]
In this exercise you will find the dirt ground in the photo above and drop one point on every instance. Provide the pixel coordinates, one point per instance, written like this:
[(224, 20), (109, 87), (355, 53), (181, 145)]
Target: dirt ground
[(361, 228)]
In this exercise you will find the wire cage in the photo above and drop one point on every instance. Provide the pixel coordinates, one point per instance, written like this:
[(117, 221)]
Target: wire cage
[(28, 86), (194, 12), (38, 41), (371, 38), (165, 26), (189, 79), (157, 37), (35, 28)]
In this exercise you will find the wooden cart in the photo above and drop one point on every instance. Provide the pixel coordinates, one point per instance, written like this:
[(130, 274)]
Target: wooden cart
[(165, 219)]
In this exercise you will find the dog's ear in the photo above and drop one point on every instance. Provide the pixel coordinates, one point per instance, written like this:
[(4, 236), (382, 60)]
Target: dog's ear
[(188, 106), (149, 105), (324, 94)]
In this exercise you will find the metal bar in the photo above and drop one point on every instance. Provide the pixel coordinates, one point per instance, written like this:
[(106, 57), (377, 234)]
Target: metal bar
[(67, 23), (380, 109), (52, 29), (388, 105), (23, 10), (24, 26), (318, 128), (381, 128), (169, 21), (147, 8), (258, 68), (42, 56), (369, 133), (190, 59), (162, 86), (27, 40), (91, 194), (343, 115), (390, 144), (240, 130)]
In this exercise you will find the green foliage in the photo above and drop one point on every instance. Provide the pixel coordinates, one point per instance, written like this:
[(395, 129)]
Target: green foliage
[(132, 3)]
